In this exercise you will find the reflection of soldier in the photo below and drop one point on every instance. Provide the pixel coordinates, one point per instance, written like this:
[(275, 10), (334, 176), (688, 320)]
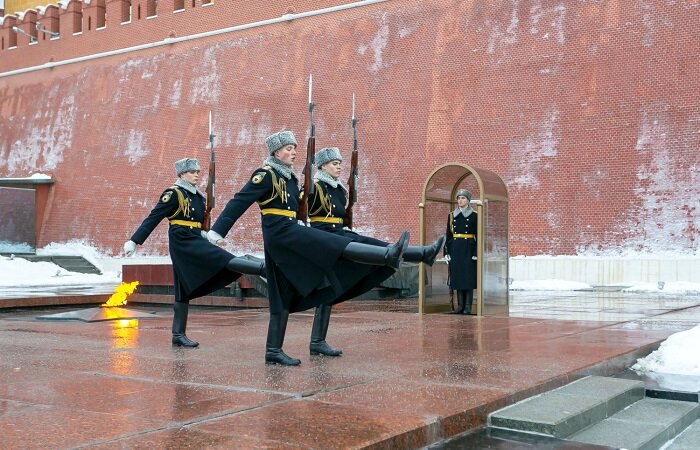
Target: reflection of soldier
[(460, 251), (199, 267), (305, 267), (326, 212)]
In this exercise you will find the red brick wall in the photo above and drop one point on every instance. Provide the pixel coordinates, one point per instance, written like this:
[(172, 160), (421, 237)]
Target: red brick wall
[(589, 110)]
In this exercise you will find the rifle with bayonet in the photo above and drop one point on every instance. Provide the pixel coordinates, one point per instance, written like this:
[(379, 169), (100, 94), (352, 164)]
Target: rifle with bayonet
[(352, 181), (206, 221), (307, 189)]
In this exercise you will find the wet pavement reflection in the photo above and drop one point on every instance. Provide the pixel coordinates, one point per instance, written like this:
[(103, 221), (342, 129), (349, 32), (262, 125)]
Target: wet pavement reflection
[(404, 380)]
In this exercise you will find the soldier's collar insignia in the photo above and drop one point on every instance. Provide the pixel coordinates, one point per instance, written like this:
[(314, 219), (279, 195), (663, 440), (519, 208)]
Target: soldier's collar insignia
[(166, 197), (258, 177)]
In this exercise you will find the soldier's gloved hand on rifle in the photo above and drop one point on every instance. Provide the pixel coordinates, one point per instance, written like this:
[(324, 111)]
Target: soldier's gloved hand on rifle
[(448, 259), (204, 234), (214, 237), (129, 248)]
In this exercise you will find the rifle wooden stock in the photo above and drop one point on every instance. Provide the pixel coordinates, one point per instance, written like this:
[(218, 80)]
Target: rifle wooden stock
[(352, 181), (308, 186), (206, 221), (307, 189), (352, 188)]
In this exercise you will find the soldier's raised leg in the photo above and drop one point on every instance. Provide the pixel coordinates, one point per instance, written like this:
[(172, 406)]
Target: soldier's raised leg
[(426, 253), (247, 264), (376, 255)]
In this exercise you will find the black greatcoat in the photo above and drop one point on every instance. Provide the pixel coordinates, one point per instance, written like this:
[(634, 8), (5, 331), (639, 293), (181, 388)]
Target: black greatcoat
[(329, 202), (461, 250), (304, 265), (199, 267)]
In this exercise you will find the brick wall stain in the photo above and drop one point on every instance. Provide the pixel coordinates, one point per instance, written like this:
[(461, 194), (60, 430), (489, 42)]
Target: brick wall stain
[(590, 112)]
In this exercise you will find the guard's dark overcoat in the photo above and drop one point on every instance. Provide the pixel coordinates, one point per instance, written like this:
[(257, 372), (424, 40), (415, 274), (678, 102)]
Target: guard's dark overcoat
[(199, 267), (329, 202), (461, 250), (304, 265)]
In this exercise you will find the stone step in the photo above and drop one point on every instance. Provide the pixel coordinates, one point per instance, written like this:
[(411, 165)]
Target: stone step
[(689, 439), (70, 263), (564, 411), (645, 425)]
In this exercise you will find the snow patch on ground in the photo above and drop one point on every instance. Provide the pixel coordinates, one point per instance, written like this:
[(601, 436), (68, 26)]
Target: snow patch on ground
[(672, 287), (677, 355), (74, 248), (19, 272), (548, 285)]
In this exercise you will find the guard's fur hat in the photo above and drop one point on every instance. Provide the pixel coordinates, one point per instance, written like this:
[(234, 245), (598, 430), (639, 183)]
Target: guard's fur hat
[(278, 140), (464, 193), (185, 165), (326, 155)]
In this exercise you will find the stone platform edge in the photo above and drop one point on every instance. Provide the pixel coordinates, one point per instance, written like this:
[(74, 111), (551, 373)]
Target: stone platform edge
[(467, 421)]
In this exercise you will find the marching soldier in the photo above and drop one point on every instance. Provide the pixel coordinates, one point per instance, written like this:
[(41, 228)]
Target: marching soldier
[(460, 251), (326, 212), (305, 267), (199, 267)]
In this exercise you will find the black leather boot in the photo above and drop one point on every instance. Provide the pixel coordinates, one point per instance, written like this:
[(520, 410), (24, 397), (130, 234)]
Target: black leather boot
[(469, 299), (378, 256), (425, 254), (179, 324), (460, 303), (318, 344), (247, 264), (275, 339)]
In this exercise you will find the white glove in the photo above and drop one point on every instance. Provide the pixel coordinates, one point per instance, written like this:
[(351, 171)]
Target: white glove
[(204, 234), (474, 258), (129, 248), (448, 258), (214, 237)]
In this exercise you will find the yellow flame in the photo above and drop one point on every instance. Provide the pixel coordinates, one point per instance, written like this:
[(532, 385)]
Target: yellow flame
[(121, 292)]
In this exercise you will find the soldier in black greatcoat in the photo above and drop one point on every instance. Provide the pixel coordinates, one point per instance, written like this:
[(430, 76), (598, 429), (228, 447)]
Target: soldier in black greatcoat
[(199, 267), (327, 212), (305, 267), (460, 251)]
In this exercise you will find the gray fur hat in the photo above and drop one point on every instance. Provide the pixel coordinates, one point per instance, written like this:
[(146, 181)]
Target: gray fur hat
[(185, 165), (278, 140), (464, 193), (326, 155)]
